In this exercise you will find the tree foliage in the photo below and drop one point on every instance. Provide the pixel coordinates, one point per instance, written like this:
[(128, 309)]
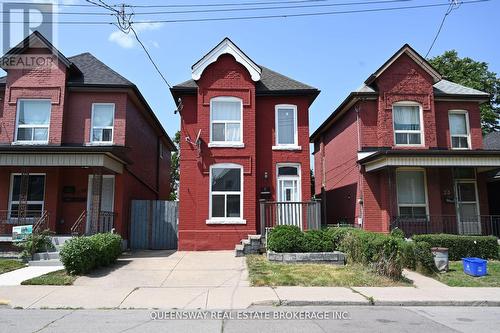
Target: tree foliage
[(473, 74), (174, 168)]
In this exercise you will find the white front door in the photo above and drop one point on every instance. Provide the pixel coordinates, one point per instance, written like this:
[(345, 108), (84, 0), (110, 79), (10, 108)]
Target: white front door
[(107, 200), (289, 195), (467, 207)]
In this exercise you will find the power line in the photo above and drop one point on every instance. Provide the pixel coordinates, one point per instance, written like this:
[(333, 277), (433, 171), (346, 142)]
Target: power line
[(233, 18), (236, 9), (454, 4)]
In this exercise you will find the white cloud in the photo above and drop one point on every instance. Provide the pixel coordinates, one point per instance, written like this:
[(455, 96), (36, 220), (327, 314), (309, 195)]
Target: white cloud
[(128, 41)]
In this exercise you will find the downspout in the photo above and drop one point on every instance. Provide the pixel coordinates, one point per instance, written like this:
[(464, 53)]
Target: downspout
[(360, 177)]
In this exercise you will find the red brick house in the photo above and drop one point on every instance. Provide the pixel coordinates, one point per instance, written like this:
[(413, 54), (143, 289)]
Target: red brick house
[(244, 131), (406, 149), (73, 142)]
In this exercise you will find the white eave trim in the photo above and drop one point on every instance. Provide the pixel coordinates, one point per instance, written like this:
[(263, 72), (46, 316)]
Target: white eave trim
[(433, 161), (61, 160), (226, 47)]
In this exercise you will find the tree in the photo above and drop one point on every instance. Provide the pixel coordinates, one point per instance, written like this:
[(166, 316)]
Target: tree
[(174, 168), (474, 74)]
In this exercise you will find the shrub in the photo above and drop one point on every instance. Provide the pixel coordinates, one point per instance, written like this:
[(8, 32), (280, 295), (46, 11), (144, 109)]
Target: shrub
[(285, 238), (336, 234), (398, 233), (316, 241), (424, 259), (82, 254), (459, 246), (107, 248), (35, 243), (382, 252), (78, 255)]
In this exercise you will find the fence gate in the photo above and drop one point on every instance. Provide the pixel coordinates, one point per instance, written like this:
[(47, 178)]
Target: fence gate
[(153, 225)]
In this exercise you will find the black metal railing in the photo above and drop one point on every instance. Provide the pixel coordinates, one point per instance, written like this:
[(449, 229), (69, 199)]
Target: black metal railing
[(305, 215), (103, 224), (8, 219), (448, 224)]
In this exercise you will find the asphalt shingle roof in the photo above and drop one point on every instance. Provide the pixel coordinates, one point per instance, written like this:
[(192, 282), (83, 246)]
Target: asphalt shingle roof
[(93, 72), (445, 87), (270, 81), (492, 141)]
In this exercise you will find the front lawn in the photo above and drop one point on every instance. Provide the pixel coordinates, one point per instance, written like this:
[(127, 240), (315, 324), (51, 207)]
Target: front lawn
[(456, 277), (7, 265), (57, 278), (265, 273)]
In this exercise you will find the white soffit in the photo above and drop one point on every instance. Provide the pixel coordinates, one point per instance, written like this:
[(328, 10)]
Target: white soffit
[(434, 161), (226, 47)]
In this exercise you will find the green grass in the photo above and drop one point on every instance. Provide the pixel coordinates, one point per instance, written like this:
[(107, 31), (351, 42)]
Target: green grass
[(265, 273), (57, 278), (7, 265), (456, 277)]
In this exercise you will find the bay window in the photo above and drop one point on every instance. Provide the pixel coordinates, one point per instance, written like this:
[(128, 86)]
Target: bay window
[(411, 193), (286, 125), (407, 118), (226, 194), (33, 120), (459, 129), (103, 118), (226, 121)]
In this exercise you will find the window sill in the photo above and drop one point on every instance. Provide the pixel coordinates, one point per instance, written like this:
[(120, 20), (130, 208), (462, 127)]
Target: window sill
[(28, 143), (99, 143), (287, 148), (225, 145), (226, 221)]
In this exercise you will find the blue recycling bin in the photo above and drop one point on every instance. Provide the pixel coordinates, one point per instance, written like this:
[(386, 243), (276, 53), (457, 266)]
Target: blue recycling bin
[(475, 266)]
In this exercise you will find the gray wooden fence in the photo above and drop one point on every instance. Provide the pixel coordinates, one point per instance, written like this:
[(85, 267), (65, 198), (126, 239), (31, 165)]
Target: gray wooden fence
[(154, 225)]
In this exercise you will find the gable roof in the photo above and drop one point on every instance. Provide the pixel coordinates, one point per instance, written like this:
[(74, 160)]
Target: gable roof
[(88, 71), (226, 46), (491, 141), (414, 55), (442, 88)]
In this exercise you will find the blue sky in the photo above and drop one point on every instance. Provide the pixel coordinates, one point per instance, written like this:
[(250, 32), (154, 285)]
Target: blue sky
[(334, 53)]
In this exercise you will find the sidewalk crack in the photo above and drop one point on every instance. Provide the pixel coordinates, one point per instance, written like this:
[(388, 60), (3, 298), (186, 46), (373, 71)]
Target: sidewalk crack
[(370, 299), (126, 296)]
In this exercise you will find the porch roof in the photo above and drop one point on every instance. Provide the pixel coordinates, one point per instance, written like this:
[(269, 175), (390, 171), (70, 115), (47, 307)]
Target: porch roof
[(380, 159), (112, 158)]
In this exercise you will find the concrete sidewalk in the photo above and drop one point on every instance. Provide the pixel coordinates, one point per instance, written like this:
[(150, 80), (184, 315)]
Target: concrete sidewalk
[(218, 280), (14, 278)]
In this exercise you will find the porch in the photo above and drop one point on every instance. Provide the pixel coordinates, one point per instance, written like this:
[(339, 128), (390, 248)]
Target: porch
[(304, 215), (429, 191)]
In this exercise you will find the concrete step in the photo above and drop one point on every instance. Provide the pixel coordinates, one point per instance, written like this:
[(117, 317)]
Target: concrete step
[(46, 256), (50, 262)]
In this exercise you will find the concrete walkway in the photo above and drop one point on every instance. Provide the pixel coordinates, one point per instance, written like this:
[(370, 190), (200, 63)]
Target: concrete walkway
[(218, 280), (14, 278)]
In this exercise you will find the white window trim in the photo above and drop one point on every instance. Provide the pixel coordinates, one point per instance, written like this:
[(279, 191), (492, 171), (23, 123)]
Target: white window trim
[(286, 146), (228, 144), (11, 188), (101, 143), (467, 125), (31, 142), (421, 113), (299, 176), (426, 205), (225, 220)]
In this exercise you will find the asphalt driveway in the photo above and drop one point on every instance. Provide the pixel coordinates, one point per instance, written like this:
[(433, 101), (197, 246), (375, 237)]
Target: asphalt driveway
[(171, 269)]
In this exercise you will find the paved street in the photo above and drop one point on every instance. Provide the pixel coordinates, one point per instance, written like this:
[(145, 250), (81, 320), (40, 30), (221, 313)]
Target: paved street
[(359, 319)]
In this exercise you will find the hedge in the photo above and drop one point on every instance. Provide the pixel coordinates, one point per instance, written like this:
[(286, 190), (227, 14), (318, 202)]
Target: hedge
[(459, 246), (80, 255), (286, 238)]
